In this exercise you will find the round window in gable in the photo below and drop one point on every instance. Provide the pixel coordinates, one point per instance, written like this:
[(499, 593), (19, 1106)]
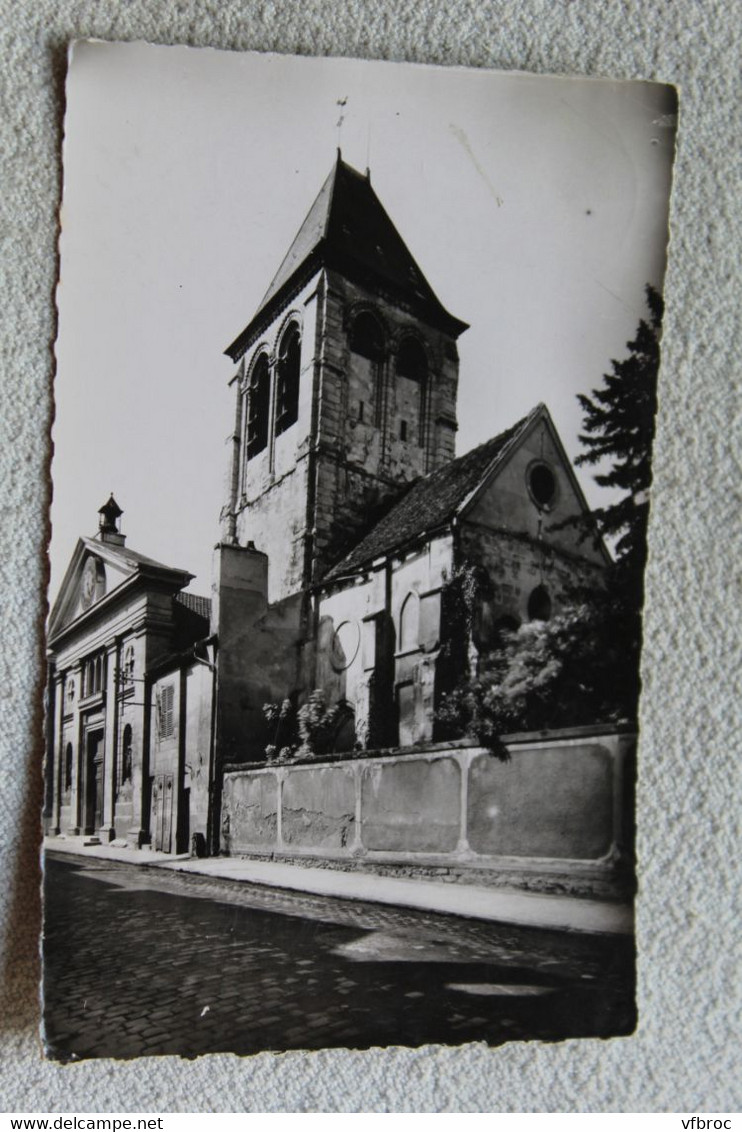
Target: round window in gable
[(542, 485)]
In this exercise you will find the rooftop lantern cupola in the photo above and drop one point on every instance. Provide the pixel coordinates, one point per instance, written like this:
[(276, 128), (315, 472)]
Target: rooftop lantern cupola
[(108, 522)]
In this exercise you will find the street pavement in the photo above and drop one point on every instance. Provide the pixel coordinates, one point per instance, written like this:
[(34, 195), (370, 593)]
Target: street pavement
[(141, 961), (483, 901)]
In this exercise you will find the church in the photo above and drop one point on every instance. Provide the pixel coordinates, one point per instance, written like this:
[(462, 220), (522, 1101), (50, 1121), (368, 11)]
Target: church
[(347, 530)]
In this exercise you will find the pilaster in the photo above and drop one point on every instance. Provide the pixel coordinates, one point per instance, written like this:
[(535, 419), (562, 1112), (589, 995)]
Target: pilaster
[(107, 831), (76, 801), (464, 761), (280, 776), (139, 834), (57, 768)]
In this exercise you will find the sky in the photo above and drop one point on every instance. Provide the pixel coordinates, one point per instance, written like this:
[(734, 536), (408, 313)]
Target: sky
[(535, 206)]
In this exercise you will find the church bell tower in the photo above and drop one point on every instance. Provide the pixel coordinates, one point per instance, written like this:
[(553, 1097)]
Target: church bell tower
[(345, 388)]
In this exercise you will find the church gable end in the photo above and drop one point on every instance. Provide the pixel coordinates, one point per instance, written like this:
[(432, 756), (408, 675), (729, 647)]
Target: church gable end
[(532, 491), (519, 529)]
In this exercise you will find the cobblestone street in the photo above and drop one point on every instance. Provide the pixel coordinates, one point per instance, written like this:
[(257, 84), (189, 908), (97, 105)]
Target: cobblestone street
[(140, 962)]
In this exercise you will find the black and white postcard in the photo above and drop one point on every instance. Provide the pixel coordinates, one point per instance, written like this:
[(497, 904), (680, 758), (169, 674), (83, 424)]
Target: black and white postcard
[(355, 397)]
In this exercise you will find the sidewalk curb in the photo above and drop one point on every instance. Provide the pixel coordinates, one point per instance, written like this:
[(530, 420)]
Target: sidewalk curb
[(505, 905)]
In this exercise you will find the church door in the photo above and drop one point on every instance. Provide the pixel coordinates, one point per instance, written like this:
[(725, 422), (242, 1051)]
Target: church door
[(94, 782), (162, 812)]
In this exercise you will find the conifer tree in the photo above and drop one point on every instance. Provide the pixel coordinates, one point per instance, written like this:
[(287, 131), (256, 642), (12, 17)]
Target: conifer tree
[(619, 426)]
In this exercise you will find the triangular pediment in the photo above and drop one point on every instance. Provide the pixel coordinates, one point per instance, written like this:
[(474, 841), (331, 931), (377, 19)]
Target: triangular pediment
[(96, 571), (92, 573)]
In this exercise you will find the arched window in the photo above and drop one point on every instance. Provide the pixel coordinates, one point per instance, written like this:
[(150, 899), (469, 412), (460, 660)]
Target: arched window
[(68, 768), (411, 361), (367, 352), (258, 407), (409, 623), (366, 337), (539, 604), (287, 388), (126, 755), (412, 373)]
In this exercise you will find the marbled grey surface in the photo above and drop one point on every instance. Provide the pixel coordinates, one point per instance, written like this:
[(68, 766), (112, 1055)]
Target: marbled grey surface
[(683, 1055)]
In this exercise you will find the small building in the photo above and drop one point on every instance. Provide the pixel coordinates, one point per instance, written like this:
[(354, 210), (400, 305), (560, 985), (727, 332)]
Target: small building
[(130, 689)]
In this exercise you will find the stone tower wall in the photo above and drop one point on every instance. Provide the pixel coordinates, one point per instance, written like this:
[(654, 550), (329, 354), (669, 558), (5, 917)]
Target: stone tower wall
[(363, 463), (318, 487), (273, 487)]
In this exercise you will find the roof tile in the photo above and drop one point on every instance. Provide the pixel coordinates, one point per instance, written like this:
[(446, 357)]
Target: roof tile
[(196, 603), (430, 503)]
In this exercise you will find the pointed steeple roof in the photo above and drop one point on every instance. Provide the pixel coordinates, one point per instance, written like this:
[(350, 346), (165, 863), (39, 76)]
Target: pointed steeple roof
[(348, 228)]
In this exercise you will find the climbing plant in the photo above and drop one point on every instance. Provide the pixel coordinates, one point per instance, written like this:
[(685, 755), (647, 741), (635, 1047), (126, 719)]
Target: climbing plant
[(308, 730)]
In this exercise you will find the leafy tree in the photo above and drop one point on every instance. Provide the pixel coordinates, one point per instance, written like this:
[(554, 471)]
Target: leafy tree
[(582, 666)]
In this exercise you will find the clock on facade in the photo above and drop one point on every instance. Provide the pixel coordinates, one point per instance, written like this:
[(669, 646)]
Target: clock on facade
[(89, 585)]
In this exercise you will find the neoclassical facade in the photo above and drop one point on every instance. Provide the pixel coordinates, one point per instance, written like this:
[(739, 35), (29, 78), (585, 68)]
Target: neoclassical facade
[(129, 693)]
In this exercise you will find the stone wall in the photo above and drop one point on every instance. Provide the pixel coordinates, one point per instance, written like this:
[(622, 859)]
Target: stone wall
[(272, 488), (524, 546), (563, 797), (363, 655), (363, 463)]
